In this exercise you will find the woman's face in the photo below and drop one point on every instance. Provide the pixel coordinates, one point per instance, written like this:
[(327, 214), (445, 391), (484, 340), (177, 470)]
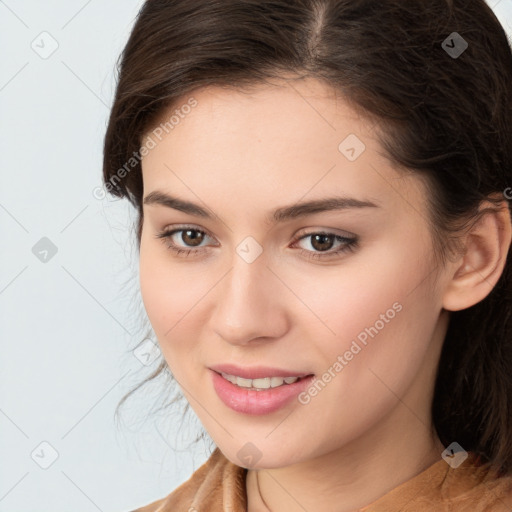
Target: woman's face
[(346, 294)]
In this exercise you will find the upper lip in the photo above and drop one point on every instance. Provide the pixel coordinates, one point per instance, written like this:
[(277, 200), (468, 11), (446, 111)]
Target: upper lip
[(256, 372)]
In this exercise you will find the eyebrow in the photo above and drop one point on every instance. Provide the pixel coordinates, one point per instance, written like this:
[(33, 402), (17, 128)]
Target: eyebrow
[(278, 215)]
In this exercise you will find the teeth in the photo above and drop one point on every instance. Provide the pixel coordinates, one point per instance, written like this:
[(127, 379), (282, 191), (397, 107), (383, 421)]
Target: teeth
[(265, 383)]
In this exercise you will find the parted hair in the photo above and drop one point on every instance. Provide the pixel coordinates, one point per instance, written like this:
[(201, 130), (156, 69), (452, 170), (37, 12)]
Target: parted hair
[(441, 113)]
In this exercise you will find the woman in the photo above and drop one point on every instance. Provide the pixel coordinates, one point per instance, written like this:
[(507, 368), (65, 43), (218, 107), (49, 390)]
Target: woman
[(324, 229)]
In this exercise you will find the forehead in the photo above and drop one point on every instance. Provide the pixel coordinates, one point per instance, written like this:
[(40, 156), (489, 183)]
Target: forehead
[(279, 110), (291, 138)]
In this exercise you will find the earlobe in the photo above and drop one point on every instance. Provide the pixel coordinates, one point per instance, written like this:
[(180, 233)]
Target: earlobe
[(476, 273)]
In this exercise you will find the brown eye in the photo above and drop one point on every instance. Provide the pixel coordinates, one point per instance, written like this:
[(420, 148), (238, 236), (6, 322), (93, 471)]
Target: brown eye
[(323, 245), (322, 242), (192, 237), (184, 240)]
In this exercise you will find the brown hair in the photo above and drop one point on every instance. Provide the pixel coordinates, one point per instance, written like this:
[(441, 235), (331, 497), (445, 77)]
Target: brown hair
[(447, 117)]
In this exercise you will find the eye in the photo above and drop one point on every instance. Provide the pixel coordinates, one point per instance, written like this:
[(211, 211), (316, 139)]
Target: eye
[(190, 236), (323, 241)]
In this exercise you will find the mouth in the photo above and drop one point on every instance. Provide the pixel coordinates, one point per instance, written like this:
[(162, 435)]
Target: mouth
[(260, 396), (262, 383)]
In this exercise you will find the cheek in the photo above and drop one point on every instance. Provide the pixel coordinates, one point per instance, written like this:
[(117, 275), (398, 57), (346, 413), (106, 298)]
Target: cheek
[(165, 307), (377, 313), (173, 293), (164, 289), (383, 325)]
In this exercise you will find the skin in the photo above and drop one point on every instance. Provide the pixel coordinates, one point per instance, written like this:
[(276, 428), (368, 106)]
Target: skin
[(241, 156)]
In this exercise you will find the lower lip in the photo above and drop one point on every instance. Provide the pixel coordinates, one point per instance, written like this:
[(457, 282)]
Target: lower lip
[(250, 401)]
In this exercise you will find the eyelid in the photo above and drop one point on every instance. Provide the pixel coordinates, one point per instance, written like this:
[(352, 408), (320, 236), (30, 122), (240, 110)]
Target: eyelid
[(323, 230)]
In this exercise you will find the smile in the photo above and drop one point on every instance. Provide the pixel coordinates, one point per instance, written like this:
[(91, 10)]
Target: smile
[(259, 384), (263, 395)]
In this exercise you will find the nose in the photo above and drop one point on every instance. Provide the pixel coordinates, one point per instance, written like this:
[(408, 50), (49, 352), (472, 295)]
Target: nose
[(250, 303)]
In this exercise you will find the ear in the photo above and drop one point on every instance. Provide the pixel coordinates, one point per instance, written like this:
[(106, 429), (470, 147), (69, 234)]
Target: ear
[(478, 270)]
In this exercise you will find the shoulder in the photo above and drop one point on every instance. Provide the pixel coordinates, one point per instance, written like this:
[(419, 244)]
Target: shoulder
[(216, 485), (469, 487), (494, 492)]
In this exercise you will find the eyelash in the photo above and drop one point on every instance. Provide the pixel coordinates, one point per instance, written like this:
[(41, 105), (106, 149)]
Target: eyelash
[(350, 243)]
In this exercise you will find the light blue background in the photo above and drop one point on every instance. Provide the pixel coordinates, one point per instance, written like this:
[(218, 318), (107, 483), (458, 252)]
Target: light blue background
[(67, 325)]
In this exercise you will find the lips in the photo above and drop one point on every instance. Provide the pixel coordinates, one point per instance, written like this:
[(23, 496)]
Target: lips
[(258, 402), (257, 372)]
